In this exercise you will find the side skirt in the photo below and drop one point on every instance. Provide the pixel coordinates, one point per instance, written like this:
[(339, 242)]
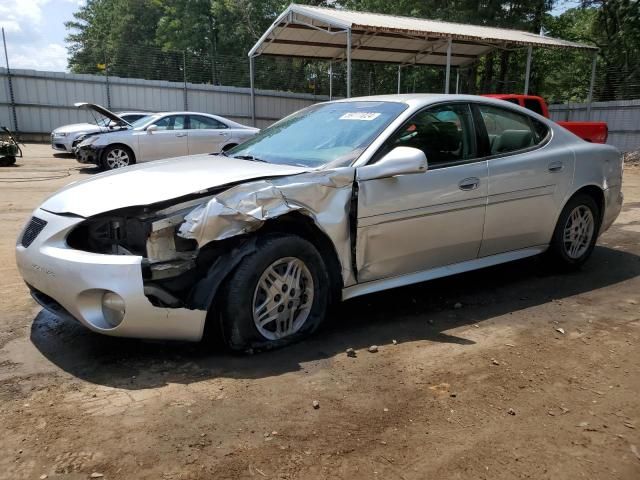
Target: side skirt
[(417, 277)]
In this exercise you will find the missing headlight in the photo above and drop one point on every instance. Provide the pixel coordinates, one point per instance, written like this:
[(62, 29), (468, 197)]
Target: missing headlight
[(110, 235)]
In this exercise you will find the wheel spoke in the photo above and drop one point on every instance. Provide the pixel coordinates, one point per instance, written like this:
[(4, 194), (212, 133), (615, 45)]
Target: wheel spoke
[(578, 231), (278, 306)]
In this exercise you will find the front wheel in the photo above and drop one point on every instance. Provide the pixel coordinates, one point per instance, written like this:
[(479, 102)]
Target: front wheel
[(576, 232), (116, 156), (7, 161), (276, 296)]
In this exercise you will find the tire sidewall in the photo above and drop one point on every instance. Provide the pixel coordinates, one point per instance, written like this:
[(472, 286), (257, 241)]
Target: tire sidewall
[(557, 247), (238, 327)]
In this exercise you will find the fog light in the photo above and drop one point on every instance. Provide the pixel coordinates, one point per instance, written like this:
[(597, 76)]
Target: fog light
[(113, 308)]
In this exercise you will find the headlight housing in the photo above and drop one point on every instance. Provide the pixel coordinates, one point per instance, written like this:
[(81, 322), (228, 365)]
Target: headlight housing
[(60, 134), (88, 140)]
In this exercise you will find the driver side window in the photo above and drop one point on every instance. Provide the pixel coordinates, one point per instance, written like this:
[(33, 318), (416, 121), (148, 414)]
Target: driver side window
[(444, 133), (172, 122)]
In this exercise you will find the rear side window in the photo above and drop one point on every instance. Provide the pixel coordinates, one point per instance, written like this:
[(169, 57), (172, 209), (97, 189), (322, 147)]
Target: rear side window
[(510, 131), (198, 122)]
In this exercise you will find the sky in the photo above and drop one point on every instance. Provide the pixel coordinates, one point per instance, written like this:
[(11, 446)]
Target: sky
[(35, 31)]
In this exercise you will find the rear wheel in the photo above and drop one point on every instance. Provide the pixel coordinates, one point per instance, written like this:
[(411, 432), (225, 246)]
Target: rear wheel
[(276, 296), (117, 156), (576, 232)]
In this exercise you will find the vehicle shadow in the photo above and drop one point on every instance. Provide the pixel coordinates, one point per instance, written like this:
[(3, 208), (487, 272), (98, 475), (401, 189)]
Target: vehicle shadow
[(425, 311), (90, 170)]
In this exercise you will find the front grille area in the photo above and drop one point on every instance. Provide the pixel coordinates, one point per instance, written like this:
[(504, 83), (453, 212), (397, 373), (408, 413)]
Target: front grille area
[(33, 229)]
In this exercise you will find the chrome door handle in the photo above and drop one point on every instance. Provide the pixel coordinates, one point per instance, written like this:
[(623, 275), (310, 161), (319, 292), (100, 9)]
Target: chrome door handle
[(469, 183), (555, 166), (181, 134)]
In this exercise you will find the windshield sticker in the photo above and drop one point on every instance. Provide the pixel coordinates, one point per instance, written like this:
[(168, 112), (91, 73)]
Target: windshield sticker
[(366, 116)]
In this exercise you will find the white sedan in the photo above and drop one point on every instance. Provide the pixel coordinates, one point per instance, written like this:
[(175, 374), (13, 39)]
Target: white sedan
[(65, 138), (161, 135)]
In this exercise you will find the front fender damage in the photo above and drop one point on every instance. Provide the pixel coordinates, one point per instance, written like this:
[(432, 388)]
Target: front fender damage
[(325, 197)]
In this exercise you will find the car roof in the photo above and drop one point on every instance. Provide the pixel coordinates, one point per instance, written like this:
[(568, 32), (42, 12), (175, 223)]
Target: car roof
[(419, 100)]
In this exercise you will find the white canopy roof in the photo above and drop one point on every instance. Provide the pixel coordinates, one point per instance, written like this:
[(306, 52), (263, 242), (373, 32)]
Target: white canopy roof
[(316, 32)]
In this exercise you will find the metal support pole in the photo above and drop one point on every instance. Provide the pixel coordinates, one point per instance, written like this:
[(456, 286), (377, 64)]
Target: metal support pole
[(11, 96), (330, 80), (349, 63), (592, 84), (457, 81), (399, 73), (106, 81), (528, 70), (184, 78), (253, 93), (447, 75)]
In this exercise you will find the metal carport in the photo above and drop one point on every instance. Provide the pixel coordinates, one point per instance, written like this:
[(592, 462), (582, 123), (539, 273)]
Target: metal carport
[(343, 35)]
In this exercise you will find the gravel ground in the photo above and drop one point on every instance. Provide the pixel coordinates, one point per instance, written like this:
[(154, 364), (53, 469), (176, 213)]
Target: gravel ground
[(532, 375)]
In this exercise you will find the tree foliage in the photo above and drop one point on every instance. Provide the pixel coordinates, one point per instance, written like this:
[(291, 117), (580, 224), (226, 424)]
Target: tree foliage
[(207, 41)]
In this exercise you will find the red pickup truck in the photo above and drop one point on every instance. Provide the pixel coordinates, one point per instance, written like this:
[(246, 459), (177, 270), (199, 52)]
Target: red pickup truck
[(595, 132)]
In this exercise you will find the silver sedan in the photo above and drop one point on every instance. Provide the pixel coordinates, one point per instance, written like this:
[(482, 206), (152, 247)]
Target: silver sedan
[(158, 136), (338, 200)]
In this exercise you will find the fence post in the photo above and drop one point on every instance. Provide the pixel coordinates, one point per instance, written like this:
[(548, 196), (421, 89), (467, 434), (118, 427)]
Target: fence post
[(11, 96), (184, 78), (106, 80), (592, 84), (252, 91), (527, 73)]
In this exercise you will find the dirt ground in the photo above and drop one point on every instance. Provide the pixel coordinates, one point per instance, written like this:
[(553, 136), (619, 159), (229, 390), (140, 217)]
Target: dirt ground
[(488, 389)]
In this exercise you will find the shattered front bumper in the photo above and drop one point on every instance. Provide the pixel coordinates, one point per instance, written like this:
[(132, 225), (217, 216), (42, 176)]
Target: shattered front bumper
[(72, 283), (88, 154)]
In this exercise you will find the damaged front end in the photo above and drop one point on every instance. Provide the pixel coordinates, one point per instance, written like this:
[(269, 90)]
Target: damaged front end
[(190, 245)]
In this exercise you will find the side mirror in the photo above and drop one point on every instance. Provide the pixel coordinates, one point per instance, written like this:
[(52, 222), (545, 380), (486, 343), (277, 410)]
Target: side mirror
[(152, 128), (399, 161)]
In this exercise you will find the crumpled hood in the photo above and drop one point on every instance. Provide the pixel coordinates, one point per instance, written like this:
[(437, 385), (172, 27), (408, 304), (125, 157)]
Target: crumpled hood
[(157, 181), (78, 127)]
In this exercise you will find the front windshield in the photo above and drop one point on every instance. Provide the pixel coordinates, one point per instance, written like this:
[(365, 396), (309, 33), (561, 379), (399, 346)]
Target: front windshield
[(331, 133), (141, 122)]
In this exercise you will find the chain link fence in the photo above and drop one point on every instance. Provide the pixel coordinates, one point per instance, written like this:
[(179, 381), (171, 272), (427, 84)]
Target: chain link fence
[(560, 76)]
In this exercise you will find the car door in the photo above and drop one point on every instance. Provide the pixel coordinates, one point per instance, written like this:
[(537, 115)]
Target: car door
[(412, 223), (206, 134), (529, 178), (167, 140)]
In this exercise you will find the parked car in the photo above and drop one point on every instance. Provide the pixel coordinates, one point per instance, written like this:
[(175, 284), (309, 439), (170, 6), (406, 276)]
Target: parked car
[(162, 135), (338, 200), (595, 132), (65, 138)]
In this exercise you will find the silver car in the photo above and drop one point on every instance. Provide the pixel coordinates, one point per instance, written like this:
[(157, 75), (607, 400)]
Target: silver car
[(161, 135), (338, 200), (65, 138)]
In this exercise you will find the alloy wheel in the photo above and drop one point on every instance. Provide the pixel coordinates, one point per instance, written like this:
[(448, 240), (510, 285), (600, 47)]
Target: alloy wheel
[(578, 232), (117, 158), (283, 298)]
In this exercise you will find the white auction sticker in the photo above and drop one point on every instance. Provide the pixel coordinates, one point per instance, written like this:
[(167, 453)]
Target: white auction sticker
[(366, 116)]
